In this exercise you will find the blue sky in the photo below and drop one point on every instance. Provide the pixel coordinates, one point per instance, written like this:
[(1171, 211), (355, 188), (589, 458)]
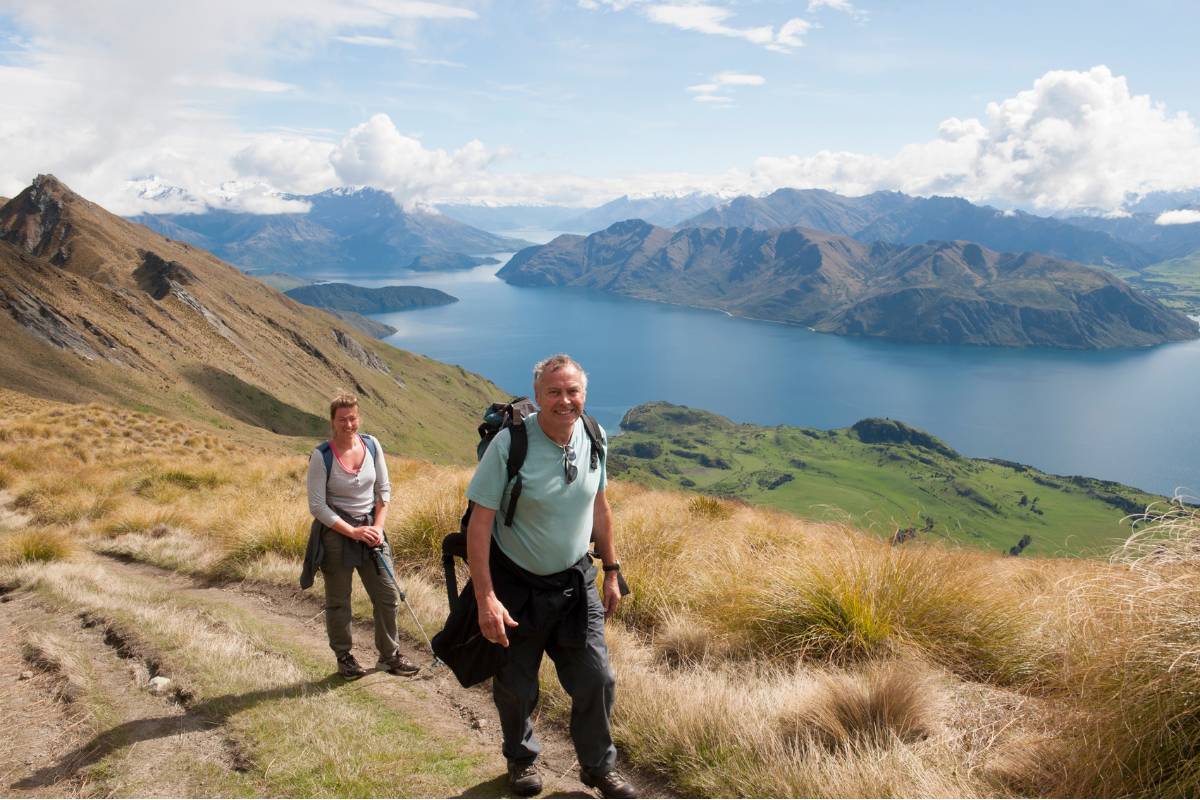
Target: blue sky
[(1036, 105)]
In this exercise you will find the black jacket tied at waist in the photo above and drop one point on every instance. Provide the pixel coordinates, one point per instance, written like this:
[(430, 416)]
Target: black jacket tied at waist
[(354, 552), (553, 604)]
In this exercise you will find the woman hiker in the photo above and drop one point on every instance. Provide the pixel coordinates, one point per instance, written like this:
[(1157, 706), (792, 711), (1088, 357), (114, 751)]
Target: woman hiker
[(348, 493)]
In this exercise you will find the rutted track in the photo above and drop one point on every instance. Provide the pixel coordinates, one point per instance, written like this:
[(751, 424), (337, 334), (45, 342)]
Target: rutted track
[(183, 729)]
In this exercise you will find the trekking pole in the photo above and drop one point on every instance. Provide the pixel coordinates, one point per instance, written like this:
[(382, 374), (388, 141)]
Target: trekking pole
[(378, 551)]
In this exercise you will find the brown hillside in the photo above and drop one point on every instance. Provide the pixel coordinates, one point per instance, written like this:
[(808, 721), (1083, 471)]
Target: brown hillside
[(96, 307)]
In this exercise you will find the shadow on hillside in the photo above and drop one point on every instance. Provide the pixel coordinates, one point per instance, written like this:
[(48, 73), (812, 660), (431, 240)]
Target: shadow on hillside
[(200, 717), (250, 404)]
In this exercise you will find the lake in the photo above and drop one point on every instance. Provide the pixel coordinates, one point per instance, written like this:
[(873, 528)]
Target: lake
[(1127, 415)]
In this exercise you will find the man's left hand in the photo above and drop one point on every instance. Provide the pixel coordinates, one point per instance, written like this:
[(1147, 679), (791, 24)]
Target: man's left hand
[(612, 594)]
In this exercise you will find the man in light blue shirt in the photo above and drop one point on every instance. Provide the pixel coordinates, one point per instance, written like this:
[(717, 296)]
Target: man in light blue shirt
[(537, 571)]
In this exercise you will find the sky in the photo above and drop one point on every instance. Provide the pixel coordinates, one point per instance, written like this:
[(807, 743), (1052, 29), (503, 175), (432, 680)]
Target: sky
[(153, 106)]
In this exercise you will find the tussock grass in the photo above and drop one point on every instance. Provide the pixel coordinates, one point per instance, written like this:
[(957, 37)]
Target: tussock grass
[(872, 600), (868, 708), (1133, 661), (36, 546), (710, 507), (426, 505), (280, 531)]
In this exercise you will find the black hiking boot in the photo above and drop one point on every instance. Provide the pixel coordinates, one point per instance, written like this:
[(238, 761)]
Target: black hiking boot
[(397, 664), (523, 779), (610, 784), (348, 666)]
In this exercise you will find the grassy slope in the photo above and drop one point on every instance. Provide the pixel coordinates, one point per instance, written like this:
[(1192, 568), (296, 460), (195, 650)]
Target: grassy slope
[(878, 487), (759, 655), (270, 372)]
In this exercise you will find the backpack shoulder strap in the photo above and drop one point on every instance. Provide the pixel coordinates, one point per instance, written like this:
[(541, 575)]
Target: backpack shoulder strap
[(596, 437), (326, 456), (518, 447), (369, 441)]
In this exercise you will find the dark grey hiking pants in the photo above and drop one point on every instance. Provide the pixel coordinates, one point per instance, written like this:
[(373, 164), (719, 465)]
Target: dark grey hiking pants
[(585, 675), (385, 598)]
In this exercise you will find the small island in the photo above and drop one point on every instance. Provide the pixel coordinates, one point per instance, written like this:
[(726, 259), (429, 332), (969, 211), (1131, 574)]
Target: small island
[(361, 300)]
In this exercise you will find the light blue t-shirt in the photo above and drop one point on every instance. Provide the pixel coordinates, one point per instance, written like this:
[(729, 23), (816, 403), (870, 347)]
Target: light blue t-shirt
[(553, 524)]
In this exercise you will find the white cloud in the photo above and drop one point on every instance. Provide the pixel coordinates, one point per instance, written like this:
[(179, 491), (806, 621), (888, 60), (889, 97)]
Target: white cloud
[(412, 9), (718, 90), (1180, 216), (100, 92), (376, 154), (438, 62), (364, 40), (1074, 140), (844, 6), (614, 5), (710, 19), (234, 82), (738, 79), (289, 163)]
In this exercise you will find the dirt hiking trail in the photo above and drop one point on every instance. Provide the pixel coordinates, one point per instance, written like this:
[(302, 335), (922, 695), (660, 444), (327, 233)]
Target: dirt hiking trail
[(79, 718)]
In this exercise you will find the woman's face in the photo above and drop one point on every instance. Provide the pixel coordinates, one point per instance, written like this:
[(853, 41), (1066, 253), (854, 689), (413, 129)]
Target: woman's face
[(345, 421)]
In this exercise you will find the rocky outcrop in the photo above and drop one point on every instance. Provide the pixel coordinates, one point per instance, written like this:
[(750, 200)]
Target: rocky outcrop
[(159, 278), (359, 353), (35, 223), (76, 333)]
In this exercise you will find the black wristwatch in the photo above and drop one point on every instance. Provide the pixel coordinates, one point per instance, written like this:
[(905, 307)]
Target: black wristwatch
[(613, 567)]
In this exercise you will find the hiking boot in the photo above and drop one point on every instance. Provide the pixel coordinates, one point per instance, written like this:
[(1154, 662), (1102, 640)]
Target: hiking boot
[(610, 784), (397, 664), (523, 779), (348, 666)]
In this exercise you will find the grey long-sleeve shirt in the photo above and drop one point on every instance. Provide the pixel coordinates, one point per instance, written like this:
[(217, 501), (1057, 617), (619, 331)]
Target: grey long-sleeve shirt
[(356, 494)]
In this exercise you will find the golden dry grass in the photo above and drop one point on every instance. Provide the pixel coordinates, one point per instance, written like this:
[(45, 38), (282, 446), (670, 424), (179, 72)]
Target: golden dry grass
[(760, 654)]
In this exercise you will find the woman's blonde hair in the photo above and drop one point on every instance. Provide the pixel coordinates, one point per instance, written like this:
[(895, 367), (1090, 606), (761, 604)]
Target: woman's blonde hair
[(342, 399)]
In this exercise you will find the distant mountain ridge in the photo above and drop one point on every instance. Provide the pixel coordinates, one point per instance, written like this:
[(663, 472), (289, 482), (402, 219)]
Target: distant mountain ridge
[(347, 231), (938, 292), (899, 218), (665, 210), (657, 210)]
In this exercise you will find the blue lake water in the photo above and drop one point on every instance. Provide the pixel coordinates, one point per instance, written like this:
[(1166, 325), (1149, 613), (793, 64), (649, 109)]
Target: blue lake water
[(1128, 415)]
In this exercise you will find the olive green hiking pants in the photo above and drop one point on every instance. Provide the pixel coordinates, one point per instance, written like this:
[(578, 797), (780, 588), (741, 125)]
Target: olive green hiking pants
[(385, 597)]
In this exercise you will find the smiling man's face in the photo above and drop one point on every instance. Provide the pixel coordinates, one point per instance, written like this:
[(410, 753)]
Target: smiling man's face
[(560, 396)]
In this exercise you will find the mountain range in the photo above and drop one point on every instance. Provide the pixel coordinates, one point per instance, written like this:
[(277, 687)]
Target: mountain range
[(344, 231), (94, 307), (902, 219), (665, 210), (950, 292)]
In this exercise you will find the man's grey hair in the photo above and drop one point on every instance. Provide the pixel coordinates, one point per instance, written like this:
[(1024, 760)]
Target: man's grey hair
[(554, 364)]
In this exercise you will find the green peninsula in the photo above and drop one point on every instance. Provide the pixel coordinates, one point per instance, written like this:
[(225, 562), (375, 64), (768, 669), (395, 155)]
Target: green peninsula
[(880, 475)]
